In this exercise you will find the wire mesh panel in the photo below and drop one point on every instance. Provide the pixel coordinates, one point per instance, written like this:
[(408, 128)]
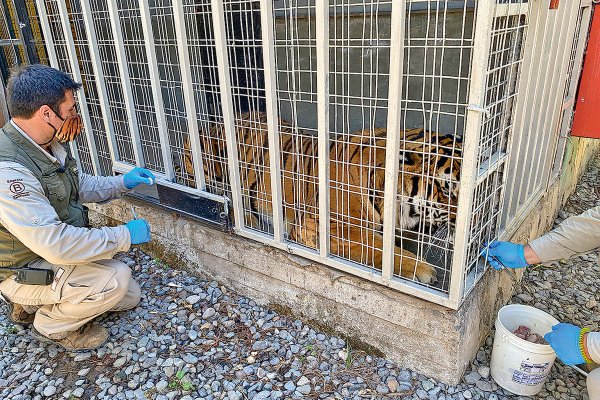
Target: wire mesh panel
[(171, 85), (438, 53), (13, 47), (36, 31), (244, 52), (207, 97), (545, 74), (105, 45), (130, 20), (359, 43), (295, 54), (80, 41), (80, 147), (10, 51), (501, 90)]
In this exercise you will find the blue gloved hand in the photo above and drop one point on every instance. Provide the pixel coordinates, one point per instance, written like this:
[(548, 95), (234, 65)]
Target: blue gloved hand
[(564, 339), (138, 175), (139, 230), (505, 254)]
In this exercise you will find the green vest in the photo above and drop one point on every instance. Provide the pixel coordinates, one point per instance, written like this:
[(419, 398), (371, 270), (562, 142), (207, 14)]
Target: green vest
[(60, 184)]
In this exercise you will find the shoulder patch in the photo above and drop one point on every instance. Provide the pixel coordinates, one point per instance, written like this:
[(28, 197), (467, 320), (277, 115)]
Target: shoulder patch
[(17, 187)]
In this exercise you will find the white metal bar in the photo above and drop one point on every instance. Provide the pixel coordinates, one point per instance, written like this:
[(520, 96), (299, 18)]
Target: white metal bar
[(392, 149), (355, 269), (49, 41), (481, 46), (270, 68), (525, 187), (522, 110), (85, 113), (188, 92), (100, 81), (571, 91), (159, 107), (125, 81), (554, 108), (228, 113), (322, 52), (552, 95)]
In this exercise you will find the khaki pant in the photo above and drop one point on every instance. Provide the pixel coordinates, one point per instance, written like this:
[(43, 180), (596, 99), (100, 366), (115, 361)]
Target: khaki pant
[(593, 384), (78, 294)]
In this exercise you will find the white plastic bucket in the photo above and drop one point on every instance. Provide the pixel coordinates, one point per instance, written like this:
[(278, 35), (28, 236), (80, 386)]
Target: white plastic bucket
[(517, 365)]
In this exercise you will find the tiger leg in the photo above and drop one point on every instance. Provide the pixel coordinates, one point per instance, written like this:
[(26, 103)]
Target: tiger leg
[(365, 246)]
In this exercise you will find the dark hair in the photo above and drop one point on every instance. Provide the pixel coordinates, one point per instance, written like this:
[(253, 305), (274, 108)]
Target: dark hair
[(32, 86)]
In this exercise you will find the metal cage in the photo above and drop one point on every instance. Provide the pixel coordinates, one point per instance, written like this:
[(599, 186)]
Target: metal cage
[(377, 137)]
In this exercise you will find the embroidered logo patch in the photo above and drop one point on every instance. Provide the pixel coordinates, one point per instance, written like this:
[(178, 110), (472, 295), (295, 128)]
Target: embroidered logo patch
[(17, 187)]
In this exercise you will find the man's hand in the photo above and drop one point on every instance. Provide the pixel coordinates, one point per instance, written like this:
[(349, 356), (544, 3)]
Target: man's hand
[(505, 254), (138, 175), (139, 230), (564, 339)]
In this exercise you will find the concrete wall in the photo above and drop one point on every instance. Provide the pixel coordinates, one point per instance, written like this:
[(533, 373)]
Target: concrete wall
[(425, 337)]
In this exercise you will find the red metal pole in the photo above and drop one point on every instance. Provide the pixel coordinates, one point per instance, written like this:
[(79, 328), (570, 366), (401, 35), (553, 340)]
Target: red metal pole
[(586, 122)]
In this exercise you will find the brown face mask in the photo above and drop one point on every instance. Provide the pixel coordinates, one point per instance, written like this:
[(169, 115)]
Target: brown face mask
[(68, 131)]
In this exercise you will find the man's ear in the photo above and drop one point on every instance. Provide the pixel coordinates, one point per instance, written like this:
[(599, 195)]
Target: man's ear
[(45, 112)]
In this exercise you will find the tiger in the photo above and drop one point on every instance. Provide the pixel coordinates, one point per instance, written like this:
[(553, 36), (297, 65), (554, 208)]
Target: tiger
[(428, 185)]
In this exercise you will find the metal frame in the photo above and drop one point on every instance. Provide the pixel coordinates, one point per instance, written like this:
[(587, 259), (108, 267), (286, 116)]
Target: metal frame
[(124, 73), (100, 81), (521, 201), (156, 89), (472, 174), (188, 93), (322, 41), (268, 46)]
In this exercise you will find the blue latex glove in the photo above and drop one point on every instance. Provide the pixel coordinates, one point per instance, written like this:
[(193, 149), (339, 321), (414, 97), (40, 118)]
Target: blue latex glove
[(564, 339), (505, 254), (138, 175), (139, 230)]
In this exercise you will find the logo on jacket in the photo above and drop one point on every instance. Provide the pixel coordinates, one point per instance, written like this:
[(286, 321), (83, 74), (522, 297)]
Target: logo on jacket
[(17, 187)]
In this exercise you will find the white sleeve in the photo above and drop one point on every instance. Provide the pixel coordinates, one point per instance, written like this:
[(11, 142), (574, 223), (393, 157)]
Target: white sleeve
[(98, 189), (575, 235), (26, 212), (593, 343)]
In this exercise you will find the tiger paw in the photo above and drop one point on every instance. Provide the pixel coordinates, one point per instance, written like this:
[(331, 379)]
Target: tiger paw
[(425, 273)]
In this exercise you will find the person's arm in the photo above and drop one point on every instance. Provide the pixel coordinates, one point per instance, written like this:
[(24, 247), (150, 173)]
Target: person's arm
[(99, 189), (575, 235), (31, 218)]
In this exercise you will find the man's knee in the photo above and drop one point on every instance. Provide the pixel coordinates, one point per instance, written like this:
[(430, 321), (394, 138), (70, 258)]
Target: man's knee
[(126, 288), (120, 280)]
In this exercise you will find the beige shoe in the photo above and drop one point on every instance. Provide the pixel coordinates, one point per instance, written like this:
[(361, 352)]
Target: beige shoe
[(18, 315), (88, 337)]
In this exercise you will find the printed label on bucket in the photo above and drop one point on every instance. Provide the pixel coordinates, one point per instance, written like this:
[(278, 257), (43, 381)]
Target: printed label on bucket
[(528, 379), (534, 368)]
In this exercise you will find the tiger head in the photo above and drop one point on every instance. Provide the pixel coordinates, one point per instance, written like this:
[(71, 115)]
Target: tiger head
[(430, 186)]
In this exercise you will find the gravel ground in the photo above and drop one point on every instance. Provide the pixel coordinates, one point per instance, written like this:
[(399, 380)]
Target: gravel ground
[(195, 339)]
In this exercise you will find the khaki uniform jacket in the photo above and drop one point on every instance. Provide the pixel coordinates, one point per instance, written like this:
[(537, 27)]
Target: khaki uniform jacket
[(575, 235), (32, 219)]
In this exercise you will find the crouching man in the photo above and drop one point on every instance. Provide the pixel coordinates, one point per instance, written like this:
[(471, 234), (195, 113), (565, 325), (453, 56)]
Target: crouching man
[(55, 271)]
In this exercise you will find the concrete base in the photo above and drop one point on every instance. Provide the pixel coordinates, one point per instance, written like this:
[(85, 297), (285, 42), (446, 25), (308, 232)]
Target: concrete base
[(425, 337)]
